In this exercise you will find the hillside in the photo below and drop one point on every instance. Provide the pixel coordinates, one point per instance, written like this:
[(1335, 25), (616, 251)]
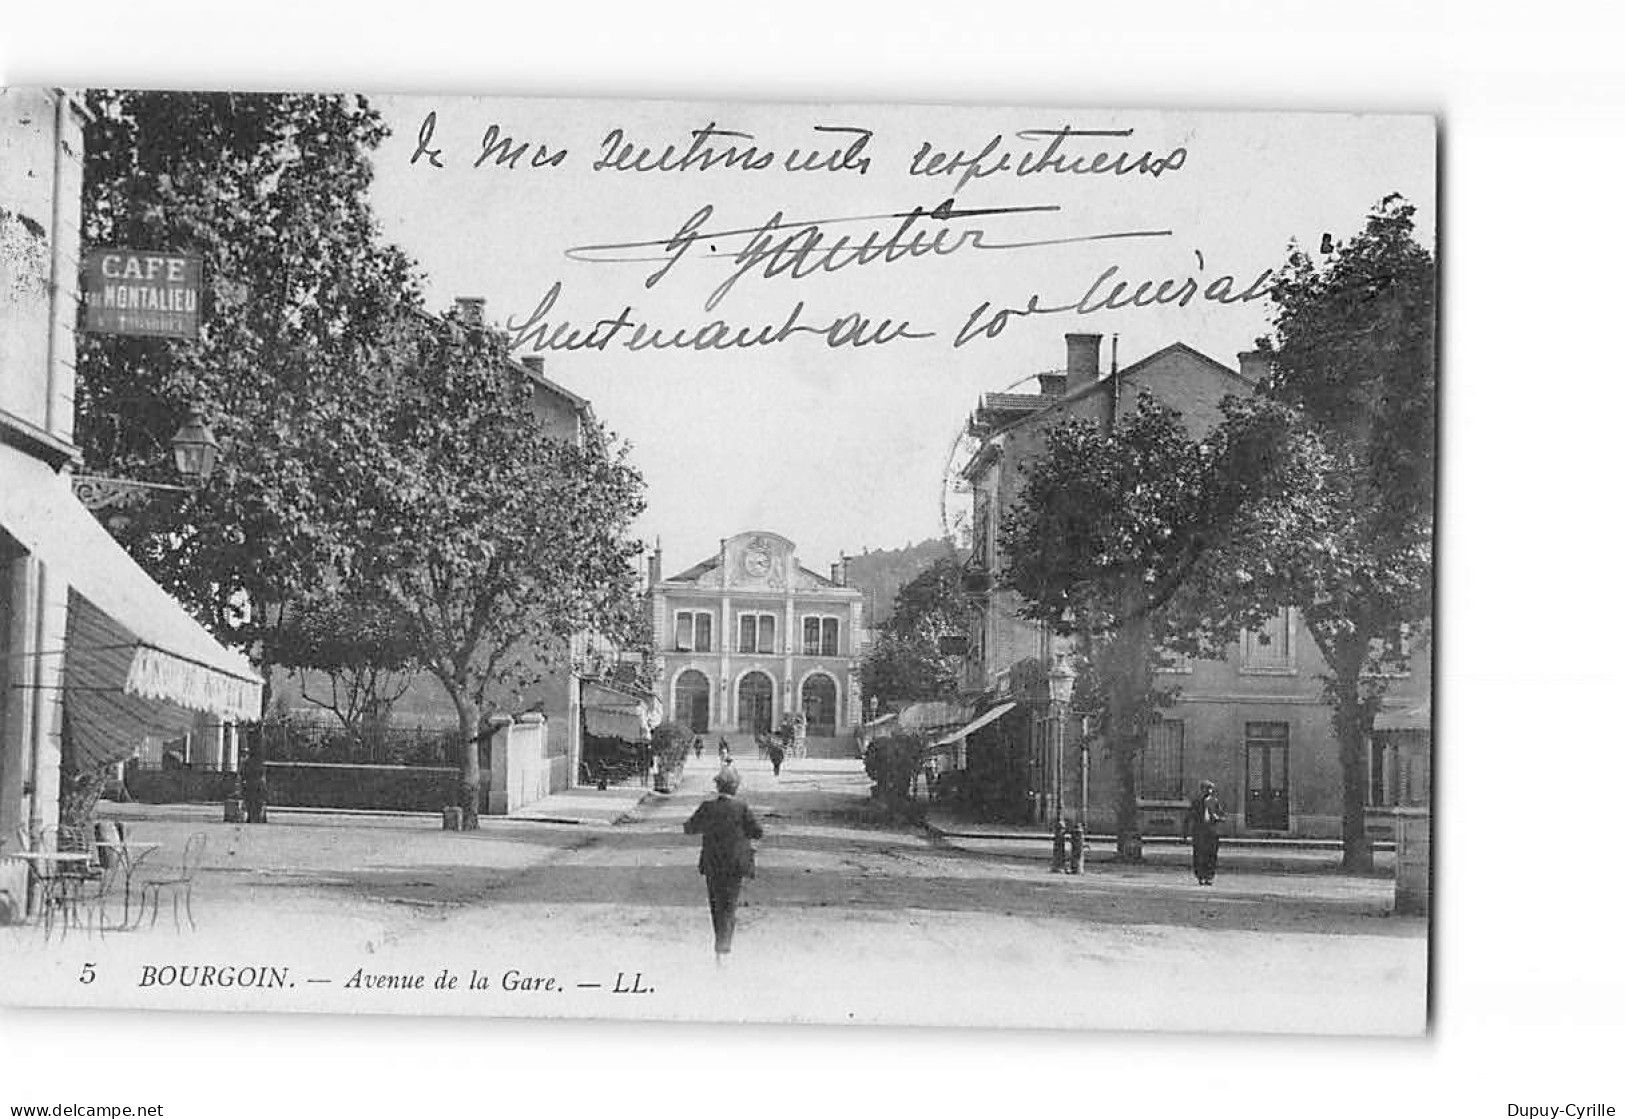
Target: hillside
[(882, 573)]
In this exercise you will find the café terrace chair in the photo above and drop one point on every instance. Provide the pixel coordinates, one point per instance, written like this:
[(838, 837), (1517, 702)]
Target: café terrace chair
[(120, 860), (92, 878), (60, 886), (12, 907), (179, 884)]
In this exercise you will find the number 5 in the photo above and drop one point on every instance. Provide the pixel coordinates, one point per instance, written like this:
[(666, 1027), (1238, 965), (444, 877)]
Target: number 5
[(87, 974)]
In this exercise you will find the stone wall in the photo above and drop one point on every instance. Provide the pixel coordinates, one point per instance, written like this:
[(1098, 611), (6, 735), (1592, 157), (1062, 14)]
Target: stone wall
[(526, 764)]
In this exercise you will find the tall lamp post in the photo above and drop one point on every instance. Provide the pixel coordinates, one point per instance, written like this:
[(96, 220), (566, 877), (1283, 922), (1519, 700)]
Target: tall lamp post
[(1062, 679)]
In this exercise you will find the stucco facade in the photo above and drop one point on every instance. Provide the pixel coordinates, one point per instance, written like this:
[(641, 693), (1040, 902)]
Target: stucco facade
[(749, 635), (95, 658), (41, 168)]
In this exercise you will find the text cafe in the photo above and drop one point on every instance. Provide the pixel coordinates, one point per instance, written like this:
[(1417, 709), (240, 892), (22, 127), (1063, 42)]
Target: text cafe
[(133, 292)]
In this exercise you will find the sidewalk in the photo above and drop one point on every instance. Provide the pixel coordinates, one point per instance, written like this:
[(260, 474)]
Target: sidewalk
[(1264, 854), (587, 806), (599, 807)]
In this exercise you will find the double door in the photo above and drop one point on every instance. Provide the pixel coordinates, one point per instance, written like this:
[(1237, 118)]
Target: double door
[(1267, 777), (756, 704)]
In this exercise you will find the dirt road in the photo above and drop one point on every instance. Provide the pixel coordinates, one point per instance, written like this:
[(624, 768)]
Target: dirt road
[(851, 918)]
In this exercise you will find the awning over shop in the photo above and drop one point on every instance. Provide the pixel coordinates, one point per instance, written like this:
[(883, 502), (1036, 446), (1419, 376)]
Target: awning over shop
[(881, 721), (1419, 717), (136, 662), (932, 715), (609, 712), (976, 724)]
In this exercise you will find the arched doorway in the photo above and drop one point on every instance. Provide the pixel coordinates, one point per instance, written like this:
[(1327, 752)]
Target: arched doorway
[(755, 703), (818, 704), (691, 703)]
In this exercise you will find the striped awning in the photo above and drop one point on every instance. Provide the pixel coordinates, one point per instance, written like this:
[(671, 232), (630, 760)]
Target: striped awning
[(1419, 717), (608, 723), (608, 712), (932, 715), (136, 663), (106, 717), (976, 724)]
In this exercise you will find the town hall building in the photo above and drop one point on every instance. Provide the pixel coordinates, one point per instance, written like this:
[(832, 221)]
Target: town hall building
[(749, 635)]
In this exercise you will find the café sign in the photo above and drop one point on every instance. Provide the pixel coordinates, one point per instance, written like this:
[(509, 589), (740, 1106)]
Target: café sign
[(128, 291)]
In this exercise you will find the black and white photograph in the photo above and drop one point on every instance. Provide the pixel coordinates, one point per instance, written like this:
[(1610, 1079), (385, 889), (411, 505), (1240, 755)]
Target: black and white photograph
[(428, 509), (802, 560)]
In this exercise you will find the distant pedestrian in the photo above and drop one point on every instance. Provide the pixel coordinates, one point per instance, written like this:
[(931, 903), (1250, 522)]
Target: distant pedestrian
[(256, 786), (725, 760), (775, 754), (1202, 820), (726, 856), (699, 745)]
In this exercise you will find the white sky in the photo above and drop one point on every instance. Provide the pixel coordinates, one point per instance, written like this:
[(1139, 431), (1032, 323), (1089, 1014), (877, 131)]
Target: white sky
[(842, 448)]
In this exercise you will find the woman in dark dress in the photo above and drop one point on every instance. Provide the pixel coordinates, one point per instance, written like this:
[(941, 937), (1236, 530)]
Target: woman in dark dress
[(726, 857), (1202, 820)]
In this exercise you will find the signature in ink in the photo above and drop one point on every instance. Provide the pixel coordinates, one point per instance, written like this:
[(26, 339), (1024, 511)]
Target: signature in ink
[(780, 247)]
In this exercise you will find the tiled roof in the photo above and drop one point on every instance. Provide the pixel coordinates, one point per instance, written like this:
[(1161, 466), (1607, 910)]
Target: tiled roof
[(694, 572), (1015, 402)]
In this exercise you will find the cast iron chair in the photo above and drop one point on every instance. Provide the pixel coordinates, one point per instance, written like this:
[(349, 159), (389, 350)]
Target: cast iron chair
[(62, 888), (88, 881), (179, 886)]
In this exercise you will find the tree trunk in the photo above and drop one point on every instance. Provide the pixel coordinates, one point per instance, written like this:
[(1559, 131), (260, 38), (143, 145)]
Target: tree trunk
[(468, 726), (1126, 663), (1130, 847), (1351, 722)]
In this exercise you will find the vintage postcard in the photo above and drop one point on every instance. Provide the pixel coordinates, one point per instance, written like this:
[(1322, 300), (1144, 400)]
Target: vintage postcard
[(839, 563)]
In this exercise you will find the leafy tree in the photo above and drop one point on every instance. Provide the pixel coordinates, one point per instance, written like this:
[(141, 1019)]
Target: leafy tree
[(905, 661), (933, 602), (378, 465), (633, 670), (894, 763), (1127, 536), (270, 192), (492, 542), (1353, 351), (353, 654)]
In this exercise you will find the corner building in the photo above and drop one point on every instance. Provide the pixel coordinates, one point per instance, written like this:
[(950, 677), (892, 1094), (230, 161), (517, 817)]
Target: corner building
[(95, 657), (1256, 723), (749, 635)]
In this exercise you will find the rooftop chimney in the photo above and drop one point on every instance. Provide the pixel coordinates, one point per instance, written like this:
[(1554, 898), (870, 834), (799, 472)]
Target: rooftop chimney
[(536, 363), (1052, 384), (1082, 360), (654, 563), (1255, 365), (470, 309)]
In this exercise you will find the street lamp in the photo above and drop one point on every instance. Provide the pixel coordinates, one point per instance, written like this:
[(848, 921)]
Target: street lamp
[(1062, 679), (194, 448)]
